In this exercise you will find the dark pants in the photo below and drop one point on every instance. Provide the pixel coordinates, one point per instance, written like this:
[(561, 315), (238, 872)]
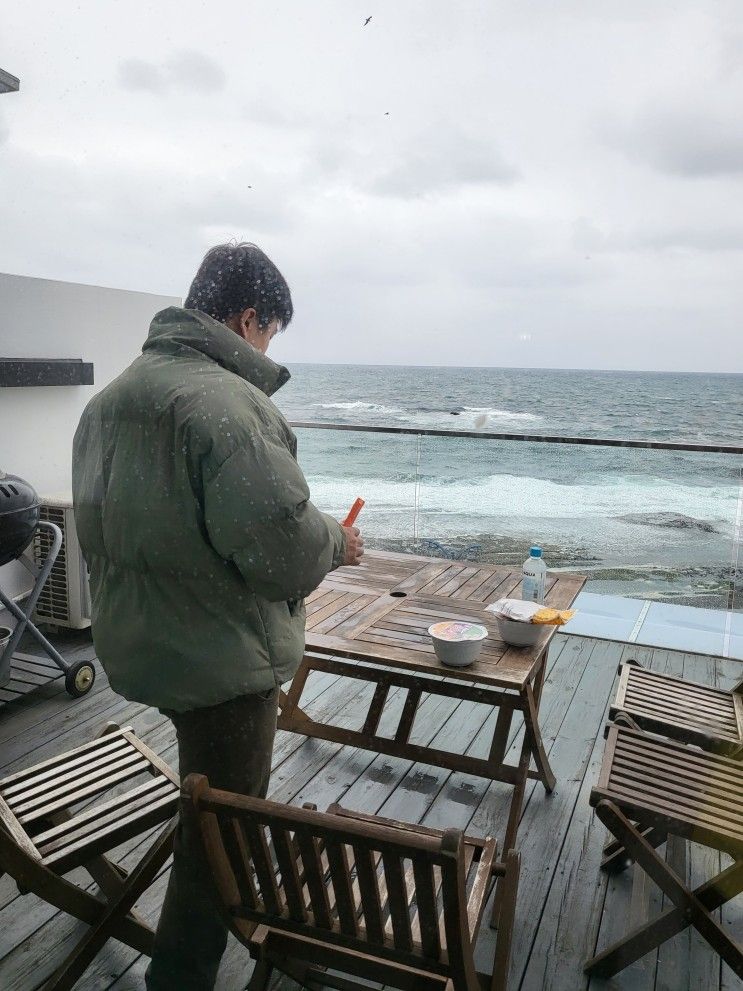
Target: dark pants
[(232, 745)]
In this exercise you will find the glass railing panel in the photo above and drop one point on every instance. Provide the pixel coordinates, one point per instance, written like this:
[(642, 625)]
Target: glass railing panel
[(653, 524), (734, 630), (341, 465)]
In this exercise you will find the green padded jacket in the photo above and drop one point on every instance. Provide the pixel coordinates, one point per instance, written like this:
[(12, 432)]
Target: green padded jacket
[(195, 520)]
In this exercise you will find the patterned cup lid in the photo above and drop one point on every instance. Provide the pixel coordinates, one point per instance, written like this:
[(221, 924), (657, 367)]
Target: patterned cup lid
[(458, 631)]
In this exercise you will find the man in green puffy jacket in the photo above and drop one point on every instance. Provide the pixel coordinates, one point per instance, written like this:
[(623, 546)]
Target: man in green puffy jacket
[(201, 540)]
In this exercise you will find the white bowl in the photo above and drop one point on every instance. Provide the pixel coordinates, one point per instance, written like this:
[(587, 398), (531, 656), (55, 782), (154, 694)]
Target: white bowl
[(519, 634), (457, 644)]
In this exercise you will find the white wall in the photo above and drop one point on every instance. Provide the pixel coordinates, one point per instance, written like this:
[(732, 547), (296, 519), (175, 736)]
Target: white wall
[(40, 318)]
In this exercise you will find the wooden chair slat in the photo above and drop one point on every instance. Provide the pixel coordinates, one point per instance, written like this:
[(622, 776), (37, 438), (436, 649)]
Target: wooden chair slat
[(259, 853), (31, 785), (58, 786), (70, 783), (719, 776), (286, 857), (68, 798), (676, 706), (693, 825), (366, 873), (638, 674), (427, 910), (714, 790), (686, 726), (77, 828), (715, 702), (60, 759), (112, 834), (241, 863), (95, 812), (478, 895), (680, 807), (314, 875), (398, 901), (340, 874), (667, 752)]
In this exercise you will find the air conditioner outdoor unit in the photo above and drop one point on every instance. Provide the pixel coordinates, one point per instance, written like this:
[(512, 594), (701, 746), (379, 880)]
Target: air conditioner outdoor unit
[(65, 599)]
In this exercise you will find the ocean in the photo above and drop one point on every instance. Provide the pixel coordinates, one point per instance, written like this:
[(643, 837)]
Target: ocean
[(654, 524)]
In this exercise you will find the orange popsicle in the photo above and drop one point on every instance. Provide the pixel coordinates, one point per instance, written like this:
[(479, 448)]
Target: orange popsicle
[(354, 512)]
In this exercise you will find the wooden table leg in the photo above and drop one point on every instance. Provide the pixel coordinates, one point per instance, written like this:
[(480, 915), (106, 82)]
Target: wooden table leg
[(500, 736), (539, 680), (534, 737)]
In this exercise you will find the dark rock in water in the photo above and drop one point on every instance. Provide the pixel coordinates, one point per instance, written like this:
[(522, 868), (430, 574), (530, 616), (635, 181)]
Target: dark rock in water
[(674, 521)]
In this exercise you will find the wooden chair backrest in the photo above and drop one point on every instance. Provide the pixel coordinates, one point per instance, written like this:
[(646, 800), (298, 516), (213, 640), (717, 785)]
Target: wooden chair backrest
[(262, 854)]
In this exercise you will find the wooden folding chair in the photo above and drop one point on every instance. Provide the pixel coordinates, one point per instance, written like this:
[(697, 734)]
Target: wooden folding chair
[(52, 821), (650, 788), (683, 710), (363, 896)]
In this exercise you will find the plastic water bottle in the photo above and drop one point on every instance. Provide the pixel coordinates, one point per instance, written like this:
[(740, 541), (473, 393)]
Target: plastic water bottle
[(534, 575)]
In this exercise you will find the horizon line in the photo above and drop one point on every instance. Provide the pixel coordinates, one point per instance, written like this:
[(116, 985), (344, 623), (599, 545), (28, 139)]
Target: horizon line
[(510, 368)]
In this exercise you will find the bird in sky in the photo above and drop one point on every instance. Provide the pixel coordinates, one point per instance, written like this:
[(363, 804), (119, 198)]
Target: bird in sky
[(367, 21)]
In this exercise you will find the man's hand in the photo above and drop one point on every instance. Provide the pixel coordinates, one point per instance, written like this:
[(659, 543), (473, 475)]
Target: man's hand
[(354, 545)]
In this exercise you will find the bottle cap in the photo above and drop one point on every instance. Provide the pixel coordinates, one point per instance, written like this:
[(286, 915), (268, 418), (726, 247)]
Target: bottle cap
[(535, 552)]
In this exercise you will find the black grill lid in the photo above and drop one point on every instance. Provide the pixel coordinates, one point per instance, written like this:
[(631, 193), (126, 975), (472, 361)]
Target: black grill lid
[(19, 516)]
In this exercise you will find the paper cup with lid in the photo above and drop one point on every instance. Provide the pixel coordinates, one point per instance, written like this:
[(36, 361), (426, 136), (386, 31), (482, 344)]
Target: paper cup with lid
[(457, 644)]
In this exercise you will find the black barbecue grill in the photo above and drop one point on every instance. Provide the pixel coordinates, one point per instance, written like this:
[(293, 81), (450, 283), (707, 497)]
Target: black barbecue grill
[(19, 523)]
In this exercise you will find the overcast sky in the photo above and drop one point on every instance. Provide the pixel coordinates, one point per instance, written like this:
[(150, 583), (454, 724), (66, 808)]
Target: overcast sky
[(554, 183)]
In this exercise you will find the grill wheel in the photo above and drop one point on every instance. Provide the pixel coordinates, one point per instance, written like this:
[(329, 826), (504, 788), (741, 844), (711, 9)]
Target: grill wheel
[(79, 679)]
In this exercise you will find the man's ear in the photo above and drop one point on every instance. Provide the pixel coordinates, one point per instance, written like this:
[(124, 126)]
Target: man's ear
[(244, 321)]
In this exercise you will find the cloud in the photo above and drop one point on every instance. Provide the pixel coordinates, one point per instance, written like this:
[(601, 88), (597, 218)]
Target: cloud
[(192, 69), (435, 163), (184, 70), (702, 236), (689, 142), (115, 224), (137, 74), (409, 163), (692, 238)]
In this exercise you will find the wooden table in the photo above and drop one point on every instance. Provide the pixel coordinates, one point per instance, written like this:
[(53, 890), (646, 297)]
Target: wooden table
[(379, 614)]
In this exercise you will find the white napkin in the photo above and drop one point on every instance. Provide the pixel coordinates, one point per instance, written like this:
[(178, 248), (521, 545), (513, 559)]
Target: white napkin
[(515, 609)]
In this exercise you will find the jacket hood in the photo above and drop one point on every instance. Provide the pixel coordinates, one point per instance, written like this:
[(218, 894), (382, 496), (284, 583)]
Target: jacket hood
[(178, 331)]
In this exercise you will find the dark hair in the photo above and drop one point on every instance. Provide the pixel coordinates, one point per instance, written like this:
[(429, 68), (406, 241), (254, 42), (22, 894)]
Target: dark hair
[(235, 277)]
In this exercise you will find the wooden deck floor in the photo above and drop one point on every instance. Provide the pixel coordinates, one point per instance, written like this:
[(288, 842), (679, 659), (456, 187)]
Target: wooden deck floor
[(565, 906)]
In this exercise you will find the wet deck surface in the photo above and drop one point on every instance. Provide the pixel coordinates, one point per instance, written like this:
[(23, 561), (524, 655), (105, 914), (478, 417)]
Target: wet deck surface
[(566, 908)]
